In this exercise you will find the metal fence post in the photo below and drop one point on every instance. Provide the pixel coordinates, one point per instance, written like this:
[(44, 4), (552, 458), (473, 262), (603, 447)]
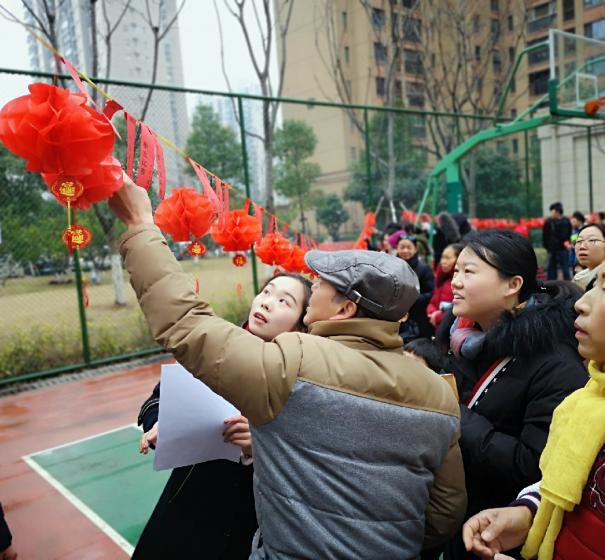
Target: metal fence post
[(366, 124), (81, 308), (527, 205), (242, 131)]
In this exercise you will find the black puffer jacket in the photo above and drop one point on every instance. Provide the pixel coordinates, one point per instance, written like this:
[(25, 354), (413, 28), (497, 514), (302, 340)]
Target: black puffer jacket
[(426, 278), (505, 432)]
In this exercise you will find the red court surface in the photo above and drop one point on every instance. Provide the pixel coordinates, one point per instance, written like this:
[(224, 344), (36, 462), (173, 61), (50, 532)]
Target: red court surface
[(44, 524)]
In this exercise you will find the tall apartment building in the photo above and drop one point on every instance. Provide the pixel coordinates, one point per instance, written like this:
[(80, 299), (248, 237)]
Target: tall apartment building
[(130, 59), (450, 56)]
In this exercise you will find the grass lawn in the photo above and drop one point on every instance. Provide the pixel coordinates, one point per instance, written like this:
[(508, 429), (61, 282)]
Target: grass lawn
[(39, 322)]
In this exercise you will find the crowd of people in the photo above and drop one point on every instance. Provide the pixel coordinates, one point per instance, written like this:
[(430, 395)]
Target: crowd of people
[(430, 398)]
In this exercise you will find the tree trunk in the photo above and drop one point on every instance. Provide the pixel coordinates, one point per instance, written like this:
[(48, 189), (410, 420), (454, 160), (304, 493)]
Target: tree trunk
[(117, 276), (302, 214)]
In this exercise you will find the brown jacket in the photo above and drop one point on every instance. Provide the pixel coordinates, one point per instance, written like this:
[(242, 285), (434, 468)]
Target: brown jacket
[(354, 442)]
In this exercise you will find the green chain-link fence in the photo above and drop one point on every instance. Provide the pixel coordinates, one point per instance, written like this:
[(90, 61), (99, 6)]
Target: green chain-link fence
[(365, 155)]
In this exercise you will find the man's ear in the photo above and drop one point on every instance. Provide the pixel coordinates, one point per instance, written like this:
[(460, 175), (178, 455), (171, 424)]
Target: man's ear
[(347, 309)]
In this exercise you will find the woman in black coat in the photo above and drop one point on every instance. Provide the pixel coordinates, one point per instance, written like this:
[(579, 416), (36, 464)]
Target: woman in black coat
[(515, 359), (418, 324)]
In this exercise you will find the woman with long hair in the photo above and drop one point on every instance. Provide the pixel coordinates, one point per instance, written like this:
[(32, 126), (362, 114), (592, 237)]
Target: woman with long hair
[(515, 359), (207, 510)]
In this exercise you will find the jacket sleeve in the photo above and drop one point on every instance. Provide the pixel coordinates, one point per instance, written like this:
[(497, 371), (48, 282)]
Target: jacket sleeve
[(447, 505), (150, 410), (514, 461), (546, 234), (6, 538), (255, 376)]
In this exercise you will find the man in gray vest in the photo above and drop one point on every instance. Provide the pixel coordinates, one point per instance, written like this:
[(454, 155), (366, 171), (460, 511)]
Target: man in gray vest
[(355, 445)]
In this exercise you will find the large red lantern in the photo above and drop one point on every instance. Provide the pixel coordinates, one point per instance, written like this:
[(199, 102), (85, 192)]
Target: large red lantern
[(296, 261), (185, 213), (236, 230), (273, 248)]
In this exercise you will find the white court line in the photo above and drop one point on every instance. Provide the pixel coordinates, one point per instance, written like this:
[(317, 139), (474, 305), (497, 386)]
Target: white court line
[(71, 498), (80, 505), (75, 441)]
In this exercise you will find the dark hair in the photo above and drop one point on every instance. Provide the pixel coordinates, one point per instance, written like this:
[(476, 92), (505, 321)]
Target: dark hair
[(448, 227), (600, 227), (462, 222), (428, 351), (601, 215), (306, 284), (456, 247), (579, 216), (509, 253), (391, 228), (557, 207)]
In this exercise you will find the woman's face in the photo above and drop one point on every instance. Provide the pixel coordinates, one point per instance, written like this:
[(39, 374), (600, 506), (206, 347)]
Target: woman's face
[(590, 247), (406, 249), (480, 293), (448, 260), (590, 324), (277, 309)]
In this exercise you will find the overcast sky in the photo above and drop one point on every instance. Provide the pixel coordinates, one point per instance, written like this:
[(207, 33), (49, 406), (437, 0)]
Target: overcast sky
[(200, 45)]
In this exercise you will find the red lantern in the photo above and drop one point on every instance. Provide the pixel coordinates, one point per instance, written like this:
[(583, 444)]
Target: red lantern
[(77, 237), (184, 213), (55, 131), (296, 261), (273, 249), (196, 249), (103, 181), (236, 230)]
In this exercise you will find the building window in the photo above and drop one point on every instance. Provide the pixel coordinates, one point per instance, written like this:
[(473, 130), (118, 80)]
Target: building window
[(513, 114), (380, 53), (511, 23), (595, 30), (412, 29), (515, 146), (496, 62), (538, 82), (539, 56), (476, 23), (413, 62), (477, 53), (409, 3), (495, 28), (415, 94), (377, 19), (347, 55), (592, 3), (345, 22), (380, 87), (568, 9), (494, 5), (511, 54)]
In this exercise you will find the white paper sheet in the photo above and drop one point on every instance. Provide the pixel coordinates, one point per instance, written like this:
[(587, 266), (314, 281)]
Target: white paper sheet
[(191, 422)]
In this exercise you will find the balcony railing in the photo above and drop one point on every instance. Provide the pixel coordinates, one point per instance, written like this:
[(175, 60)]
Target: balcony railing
[(541, 24)]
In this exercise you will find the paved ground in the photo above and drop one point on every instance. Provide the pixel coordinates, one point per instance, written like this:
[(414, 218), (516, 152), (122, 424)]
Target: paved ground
[(71, 480)]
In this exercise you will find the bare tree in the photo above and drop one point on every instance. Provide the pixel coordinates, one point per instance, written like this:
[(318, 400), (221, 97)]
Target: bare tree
[(272, 28), (467, 57), (110, 29)]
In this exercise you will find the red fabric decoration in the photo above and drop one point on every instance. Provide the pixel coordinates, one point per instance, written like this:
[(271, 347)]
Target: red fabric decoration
[(237, 231), (184, 213), (54, 130), (196, 249), (104, 180), (77, 237)]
